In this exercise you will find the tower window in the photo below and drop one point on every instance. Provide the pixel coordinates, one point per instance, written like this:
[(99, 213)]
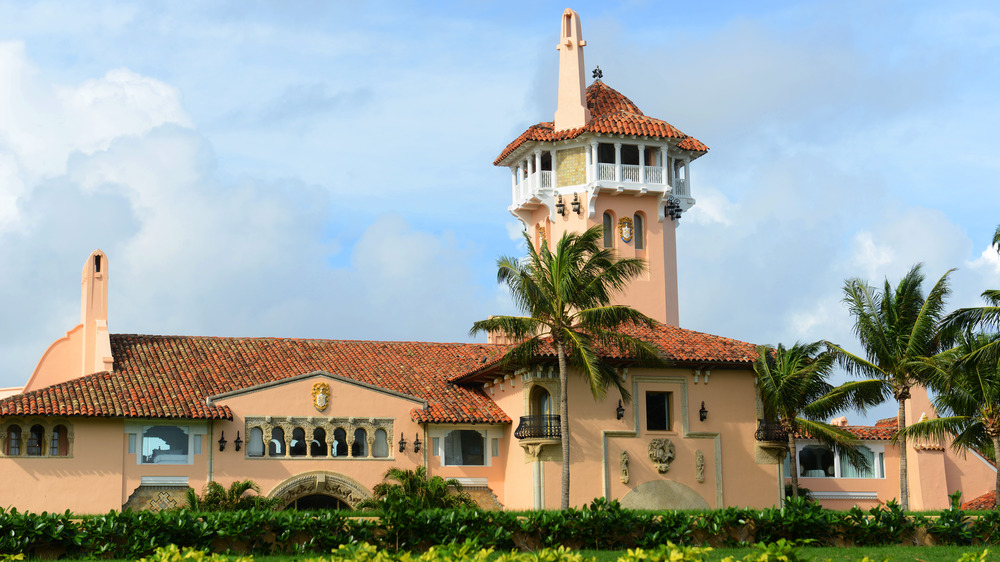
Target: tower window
[(97, 264), (609, 230), (630, 154), (639, 233), (658, 411)]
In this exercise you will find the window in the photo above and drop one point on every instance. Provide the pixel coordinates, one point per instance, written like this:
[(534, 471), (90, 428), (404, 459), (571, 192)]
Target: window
[(465, 447), (339, 442), (609, 230), (13, 445), (848, 471), (380, 448), (816, 461), (318, 446), (639, 232), (165, 444), (35, 436), (658, 411), (276, 448), (360, 446), (59, 443), (298, 446), (255, 443)]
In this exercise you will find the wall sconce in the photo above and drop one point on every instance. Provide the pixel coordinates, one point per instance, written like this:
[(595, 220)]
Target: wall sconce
[(402, 443), (576, 203), (560, 206), (673, 209), (416, 444), (703, 412), (620, 410), (238, 442), (222, 441)]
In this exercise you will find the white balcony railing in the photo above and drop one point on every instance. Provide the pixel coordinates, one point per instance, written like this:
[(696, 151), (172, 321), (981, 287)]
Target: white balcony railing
[(630, 173), (546, 178), (654, 174), (606, 171), (680, 187)]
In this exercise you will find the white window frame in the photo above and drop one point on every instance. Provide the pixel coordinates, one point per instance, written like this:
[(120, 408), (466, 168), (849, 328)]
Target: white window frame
[(194, 431), (878, 450), (438, 437)]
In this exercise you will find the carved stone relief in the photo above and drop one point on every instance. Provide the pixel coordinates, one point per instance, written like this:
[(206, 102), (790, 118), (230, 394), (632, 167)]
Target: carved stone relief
[(699, 466), (661, 452), (623, 460)]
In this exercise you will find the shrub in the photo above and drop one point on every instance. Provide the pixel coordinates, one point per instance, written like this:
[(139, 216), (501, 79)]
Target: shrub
[(241, 495)]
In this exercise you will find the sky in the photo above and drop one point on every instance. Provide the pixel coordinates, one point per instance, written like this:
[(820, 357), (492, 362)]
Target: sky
[(324, 169)]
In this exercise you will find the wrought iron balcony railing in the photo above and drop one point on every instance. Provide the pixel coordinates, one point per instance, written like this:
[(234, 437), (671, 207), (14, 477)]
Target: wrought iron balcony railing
[(538, 427), (769, 431)]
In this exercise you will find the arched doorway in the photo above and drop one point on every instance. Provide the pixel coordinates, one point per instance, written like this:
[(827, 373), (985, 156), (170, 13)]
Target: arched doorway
[(541, 401), (319, 490)]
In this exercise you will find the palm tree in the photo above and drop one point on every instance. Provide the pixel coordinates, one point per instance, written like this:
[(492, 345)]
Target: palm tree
[(566, 296), (988, 316), (898, 330), (415, 490), (792, 382), (968, 395)]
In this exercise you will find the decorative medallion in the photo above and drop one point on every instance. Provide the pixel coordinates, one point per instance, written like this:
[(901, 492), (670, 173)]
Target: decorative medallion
[(625, 229), (321, 395), (661, 452)]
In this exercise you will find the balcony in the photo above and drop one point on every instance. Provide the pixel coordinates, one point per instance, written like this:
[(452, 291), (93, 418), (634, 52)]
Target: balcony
[(769, 431), (538, 427)]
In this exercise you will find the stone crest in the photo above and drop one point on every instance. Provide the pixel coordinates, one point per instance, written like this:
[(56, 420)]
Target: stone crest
[(625, 229), (321, 395), (661, 452)]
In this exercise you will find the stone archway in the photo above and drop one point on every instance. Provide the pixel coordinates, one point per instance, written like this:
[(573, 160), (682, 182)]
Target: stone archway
[(320, 482)]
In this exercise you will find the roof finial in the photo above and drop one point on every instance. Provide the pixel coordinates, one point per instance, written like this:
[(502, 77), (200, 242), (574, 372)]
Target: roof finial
[(598, 74)]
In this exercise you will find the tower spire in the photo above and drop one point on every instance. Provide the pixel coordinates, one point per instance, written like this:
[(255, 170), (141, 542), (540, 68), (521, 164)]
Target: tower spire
[(571, 108)]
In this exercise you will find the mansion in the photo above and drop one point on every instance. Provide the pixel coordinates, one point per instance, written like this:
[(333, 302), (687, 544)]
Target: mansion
[(111, 421)]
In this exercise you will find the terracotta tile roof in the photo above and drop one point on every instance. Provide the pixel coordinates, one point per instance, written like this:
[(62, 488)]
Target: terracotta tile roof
[(611, 113), (172, 376), (873, 433), (984, 502), (676, 345)]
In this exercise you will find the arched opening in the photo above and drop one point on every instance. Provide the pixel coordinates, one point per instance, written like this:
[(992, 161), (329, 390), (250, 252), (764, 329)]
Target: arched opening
[(541, 402), (12, 447), (255, 443), (35, 437), (339, 442), (59, 445), (609, 230), (318, 446), (320, 490), (638, 232), (317, 502), (360, 446), (276, 448), (297, 448)]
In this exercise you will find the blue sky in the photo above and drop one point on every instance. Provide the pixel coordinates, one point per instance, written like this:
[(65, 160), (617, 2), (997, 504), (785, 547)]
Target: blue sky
[(320, 169)]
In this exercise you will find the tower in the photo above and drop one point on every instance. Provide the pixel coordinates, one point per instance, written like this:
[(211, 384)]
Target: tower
[(601, 161)]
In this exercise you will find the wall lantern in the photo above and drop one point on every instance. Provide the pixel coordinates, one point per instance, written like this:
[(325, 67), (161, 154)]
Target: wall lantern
[(238, 442), (416, 444), (222, 441), (576, 203), (620, 410), (561, 207), (703, 412), (402, 443), (672, 210)]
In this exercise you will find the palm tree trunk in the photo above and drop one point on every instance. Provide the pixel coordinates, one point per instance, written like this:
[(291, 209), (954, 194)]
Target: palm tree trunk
[(904, 492), (793, 465), (996, 454), (564, 422)]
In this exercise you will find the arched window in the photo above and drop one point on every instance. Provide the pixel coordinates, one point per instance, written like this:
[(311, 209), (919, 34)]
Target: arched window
[(339, 442), (318, 446), (541, 402), (360, 446), (13, 445), (380, 448), (609, 230), (35, 436), (639, 232), (255, 443), (276, 448), (59, 445), (298, 445)]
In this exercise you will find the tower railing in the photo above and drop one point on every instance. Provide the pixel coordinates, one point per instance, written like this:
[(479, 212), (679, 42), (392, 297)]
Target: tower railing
[(605, 171), (630, 173), (538, 427)]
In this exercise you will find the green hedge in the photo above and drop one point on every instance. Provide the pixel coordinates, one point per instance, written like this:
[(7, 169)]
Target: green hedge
[(601, 526)]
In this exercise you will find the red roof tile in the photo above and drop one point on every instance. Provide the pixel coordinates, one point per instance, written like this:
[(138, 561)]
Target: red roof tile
[(676, 345), (984, 502), (611, 113), (172, 376)]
